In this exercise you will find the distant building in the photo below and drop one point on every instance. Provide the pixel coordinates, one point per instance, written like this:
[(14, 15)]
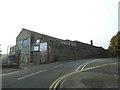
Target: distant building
[(37, 48)]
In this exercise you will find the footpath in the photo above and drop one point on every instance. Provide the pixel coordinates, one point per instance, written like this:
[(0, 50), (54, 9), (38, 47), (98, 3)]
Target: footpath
[(10, 68)]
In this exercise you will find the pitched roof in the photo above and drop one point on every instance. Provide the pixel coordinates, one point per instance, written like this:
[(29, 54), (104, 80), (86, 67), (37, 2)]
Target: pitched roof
[(54, 37)]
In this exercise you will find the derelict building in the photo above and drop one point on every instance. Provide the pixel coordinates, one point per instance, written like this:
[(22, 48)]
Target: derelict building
[(37, 48)]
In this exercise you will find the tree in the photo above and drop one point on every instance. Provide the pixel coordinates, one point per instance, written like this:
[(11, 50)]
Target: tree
[(114, 46)]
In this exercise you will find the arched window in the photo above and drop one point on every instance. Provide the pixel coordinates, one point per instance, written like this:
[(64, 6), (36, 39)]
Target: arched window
[(38, 41)]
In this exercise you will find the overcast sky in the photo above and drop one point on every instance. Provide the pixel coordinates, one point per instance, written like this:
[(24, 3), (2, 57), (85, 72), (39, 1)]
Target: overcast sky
[(81, 20)]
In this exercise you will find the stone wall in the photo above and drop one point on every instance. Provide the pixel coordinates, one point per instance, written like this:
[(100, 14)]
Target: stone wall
[(81, 51)]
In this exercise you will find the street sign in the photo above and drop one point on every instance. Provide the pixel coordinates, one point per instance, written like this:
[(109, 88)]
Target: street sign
[(43, 46)]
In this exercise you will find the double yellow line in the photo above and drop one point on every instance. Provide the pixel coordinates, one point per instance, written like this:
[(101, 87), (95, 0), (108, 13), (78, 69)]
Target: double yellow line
[(56, 82)]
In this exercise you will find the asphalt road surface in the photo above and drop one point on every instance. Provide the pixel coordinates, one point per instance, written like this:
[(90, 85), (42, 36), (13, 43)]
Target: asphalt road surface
[(45, 75)]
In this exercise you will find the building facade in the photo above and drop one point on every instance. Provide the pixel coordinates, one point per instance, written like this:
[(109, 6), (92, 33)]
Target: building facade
[(37, 48)]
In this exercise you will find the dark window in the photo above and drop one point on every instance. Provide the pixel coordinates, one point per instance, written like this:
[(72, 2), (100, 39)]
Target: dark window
[(25, 43)]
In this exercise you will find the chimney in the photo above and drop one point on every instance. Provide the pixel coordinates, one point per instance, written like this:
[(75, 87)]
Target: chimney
[(91, 42)]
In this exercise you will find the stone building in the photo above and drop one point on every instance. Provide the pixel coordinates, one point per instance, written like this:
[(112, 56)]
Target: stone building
[(37, 48)]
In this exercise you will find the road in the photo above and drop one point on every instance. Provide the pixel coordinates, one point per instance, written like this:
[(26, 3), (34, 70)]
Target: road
[(44, 75)]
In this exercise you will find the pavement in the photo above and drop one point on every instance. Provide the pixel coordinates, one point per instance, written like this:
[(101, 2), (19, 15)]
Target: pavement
[(8, 70), (13, 69), (51, 75)]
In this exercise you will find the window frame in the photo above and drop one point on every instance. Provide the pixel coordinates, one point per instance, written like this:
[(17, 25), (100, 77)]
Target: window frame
[(25, 43)]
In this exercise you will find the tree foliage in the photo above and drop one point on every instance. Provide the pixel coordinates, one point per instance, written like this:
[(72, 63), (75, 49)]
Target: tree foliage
[(114, 46)]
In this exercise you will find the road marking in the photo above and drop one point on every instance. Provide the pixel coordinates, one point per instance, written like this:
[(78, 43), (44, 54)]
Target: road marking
[(58, 65), (79, 67), (68, 73), (31, 74), (62, 83), (85, 64), (88, 63), (56, 82)]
